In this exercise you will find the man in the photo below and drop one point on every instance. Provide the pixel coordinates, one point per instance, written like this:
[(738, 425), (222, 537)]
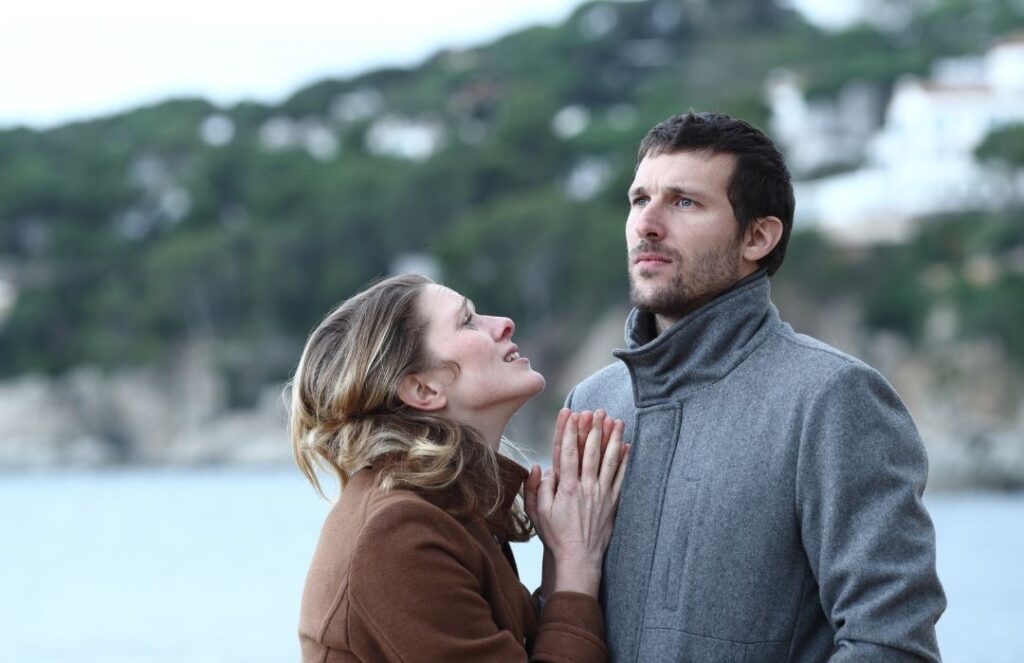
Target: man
[(772, 510)]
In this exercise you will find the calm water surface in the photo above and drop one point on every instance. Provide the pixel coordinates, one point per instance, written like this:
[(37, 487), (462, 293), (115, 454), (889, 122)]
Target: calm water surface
[(207, 567)]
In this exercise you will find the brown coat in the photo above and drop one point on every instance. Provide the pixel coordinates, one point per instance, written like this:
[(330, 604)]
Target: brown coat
[(396, 578)]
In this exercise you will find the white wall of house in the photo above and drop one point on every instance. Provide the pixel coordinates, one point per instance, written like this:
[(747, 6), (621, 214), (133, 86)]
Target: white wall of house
[(921, 161)]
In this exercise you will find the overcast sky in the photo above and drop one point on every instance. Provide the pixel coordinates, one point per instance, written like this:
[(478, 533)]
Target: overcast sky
[(64, 60)]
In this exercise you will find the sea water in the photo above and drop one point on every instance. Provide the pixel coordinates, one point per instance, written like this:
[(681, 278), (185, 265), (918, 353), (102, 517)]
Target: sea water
[(146, 566)]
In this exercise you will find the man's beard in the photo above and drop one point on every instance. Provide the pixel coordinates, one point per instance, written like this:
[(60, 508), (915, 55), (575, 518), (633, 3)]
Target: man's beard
[(692, 285)]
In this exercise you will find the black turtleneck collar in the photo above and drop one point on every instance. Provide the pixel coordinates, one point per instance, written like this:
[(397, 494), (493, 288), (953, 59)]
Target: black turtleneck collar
[(702, 347)]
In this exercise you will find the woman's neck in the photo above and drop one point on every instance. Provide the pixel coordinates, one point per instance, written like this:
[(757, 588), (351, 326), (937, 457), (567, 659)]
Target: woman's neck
[(492, 432)]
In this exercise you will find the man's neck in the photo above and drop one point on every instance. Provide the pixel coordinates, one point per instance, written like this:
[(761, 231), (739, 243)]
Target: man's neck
[(663, 322)]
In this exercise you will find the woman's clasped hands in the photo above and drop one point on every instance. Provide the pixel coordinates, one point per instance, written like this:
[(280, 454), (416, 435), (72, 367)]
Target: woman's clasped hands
[(573, 504)]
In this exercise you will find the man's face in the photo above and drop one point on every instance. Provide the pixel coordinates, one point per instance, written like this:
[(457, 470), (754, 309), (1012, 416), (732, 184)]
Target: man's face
[(681, 234)]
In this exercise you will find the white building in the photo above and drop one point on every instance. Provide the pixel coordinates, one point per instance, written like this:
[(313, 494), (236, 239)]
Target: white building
[(821, 133), (921, 161)]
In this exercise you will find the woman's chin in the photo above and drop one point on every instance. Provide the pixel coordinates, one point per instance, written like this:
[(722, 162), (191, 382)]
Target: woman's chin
[(531, 388), (539, 385)]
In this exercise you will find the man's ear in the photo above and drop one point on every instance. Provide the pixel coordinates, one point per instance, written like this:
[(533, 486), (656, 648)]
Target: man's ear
[(761, 236), (422, 391)]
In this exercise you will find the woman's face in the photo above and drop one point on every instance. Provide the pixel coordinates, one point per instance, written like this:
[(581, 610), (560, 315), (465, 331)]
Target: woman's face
[(492, 377)]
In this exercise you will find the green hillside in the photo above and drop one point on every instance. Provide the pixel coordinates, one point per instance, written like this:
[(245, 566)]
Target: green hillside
[(131, 234)]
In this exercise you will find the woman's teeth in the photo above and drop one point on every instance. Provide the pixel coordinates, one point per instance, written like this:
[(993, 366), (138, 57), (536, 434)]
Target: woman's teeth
[(512, 357)]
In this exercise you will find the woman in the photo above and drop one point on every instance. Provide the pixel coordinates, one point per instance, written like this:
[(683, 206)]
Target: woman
[(404, 392)]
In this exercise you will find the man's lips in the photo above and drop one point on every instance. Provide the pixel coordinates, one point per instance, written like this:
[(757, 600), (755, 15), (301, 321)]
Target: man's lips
[(650, 259)]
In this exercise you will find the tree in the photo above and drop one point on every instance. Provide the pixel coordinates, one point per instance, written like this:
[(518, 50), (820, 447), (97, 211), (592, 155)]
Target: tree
[(1004, 149)]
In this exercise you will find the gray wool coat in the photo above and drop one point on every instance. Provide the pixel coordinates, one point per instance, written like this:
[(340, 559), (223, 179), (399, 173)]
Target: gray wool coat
[(772, 507)]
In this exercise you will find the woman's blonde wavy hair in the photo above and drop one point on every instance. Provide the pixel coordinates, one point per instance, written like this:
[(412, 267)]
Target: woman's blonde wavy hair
[(346, 415)]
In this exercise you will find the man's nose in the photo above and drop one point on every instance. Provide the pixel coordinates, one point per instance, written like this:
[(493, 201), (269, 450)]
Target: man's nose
[(648, 224)]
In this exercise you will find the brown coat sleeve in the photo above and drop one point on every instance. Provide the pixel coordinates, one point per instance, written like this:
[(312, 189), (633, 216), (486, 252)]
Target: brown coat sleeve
[(571, 629), (415, 595)]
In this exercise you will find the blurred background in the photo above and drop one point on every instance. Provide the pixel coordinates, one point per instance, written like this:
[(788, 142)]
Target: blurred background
[(185, 192)]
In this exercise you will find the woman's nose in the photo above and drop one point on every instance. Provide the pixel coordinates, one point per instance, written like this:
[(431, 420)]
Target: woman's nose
[(503, 328)]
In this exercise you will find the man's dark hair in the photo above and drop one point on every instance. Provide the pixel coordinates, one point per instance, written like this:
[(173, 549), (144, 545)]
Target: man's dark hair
[(760, 184)]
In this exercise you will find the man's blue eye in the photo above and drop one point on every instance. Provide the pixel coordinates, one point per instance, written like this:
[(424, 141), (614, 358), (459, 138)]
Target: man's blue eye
[(685, 202)]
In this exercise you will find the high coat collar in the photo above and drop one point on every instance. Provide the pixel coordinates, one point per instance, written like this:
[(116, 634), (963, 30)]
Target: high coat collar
[(511, 476), (702, 347)]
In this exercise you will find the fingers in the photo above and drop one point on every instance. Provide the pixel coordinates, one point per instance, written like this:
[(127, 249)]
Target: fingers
[(606, 433), (568, 472), (586, 421), (556, 443), (530, 492), (592, 449), (621, 473), (612, 455), (545, 495)]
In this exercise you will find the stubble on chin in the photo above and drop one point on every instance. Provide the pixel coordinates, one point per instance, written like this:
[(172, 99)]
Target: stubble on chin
[(658, 299), (665, 299), (690, 285)]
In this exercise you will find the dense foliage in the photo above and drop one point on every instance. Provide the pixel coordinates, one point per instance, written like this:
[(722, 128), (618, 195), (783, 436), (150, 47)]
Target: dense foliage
[(130, 234), (962, 276)]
